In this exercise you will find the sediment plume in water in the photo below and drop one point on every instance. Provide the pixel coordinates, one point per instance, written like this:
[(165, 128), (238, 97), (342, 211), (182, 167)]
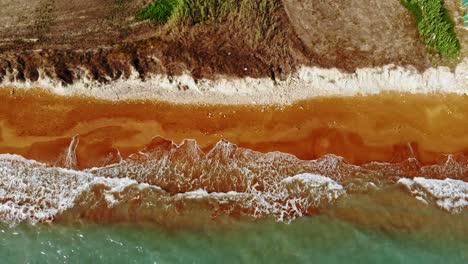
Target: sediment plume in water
[(386, 127), (153, 161)]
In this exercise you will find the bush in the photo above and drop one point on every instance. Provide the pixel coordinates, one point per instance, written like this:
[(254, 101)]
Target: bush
[(435, 26), (159, 11), (255, 14), (198, 11)]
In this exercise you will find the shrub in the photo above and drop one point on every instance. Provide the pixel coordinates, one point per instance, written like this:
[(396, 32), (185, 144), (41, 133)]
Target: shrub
[(159, 11), (435, 26), (255, 14), (198, 11)]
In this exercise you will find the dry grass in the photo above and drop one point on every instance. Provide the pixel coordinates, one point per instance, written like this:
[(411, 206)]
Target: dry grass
[(247, 14), (237, 37)]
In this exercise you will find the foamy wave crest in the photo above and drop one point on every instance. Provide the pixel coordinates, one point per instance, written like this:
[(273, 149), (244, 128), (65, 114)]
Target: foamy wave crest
[(37, 192), (288, 199), (305, 191), (226, 167), (33, 191), (261, 180), (450, 195), (167, 179)]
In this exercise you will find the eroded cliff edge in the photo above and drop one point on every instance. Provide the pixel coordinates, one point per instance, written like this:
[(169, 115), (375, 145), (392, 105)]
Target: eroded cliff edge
[(262, 44)]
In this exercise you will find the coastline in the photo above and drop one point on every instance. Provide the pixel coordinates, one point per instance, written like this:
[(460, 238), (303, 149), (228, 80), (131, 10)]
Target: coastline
[(107, 194), (247, 131), (306, 83)]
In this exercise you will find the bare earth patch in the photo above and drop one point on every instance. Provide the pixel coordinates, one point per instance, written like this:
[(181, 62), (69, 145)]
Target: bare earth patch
[(41, 24), (355, 33), (100, 40)]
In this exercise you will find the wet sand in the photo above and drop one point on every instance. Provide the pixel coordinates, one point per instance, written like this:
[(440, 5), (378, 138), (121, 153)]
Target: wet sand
[(387, 127)]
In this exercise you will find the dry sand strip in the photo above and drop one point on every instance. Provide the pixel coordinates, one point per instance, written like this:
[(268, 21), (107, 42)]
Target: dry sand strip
[(307, 82)]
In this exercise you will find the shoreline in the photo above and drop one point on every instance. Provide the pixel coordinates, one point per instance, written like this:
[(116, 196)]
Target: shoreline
[(98, 193), (306, 83)]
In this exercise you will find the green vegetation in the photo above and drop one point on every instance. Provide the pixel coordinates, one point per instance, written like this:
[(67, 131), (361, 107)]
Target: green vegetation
[(198, 11), (159, 11), (247, 13), (435, 26)]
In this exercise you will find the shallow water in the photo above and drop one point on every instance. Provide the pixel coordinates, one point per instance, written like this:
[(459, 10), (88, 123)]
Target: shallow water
[(387, 127), (318, 239), (384, 225)]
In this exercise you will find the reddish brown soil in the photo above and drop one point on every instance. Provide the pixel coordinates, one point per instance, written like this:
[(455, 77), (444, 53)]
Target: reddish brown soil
[(60, 37), (109, 42)]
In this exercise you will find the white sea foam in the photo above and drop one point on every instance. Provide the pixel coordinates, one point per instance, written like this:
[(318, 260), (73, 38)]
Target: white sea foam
[(307, 190), (307, 82), (37, 192), (114, 187), (201, 194), (315, 183), (450, 195), (271, 184), (287, 199)]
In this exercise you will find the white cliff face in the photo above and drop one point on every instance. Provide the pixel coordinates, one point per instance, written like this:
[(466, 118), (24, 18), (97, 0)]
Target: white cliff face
[(375, 80), (307, 82)]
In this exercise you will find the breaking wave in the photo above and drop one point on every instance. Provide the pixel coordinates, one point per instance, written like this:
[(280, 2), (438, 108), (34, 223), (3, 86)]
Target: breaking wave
[(167, 179), (450, 195)]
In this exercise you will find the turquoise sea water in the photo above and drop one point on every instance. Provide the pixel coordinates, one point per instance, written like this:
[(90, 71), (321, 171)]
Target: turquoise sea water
[(316, 239)]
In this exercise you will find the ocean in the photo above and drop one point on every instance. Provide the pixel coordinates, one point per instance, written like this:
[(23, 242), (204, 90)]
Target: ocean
[(314, 239), (120, 221), (253, 208)]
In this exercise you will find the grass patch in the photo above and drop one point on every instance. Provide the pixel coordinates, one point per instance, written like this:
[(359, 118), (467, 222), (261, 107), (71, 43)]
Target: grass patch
[(435, 26), (256, 14), (200, 11), (159, 11)]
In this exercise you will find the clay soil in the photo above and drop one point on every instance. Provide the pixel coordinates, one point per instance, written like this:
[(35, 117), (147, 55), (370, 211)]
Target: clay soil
[(60, 37)]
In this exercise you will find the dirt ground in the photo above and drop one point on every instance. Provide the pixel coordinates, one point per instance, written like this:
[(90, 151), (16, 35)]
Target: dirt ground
[(351, 33), (39, 24), (102, 36), (60, 38)]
